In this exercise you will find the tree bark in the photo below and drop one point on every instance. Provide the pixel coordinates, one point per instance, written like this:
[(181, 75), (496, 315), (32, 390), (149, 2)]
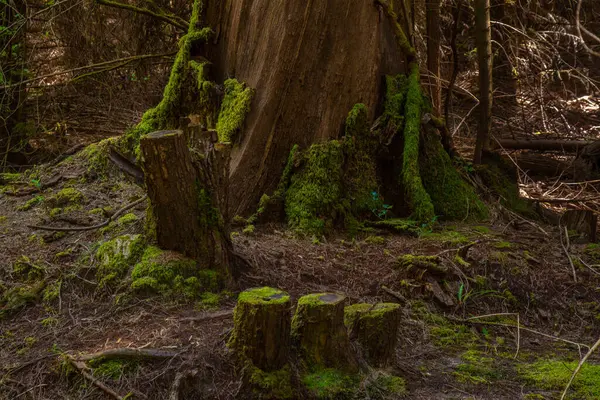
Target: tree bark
[(261, 332), (484, 54), (319, 333), (375, 327), (183, 193), (290, 52)]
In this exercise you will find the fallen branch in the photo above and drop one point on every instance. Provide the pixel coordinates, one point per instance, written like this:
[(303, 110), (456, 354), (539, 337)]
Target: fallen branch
[(545, 145), (566, 250), (93, 227), (209, 316), (127, 353), (83, 370), (583, 360), (576, 200), (169, 19), (393, 293)]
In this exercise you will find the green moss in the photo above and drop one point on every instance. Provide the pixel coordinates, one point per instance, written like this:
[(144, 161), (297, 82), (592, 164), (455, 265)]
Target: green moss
[(259, 295), (116, 257), (410, 261), (127, 219), (28, 271), (248, 230), (315, 193), (593, 250), (330, 383), (502, 245), (447, 237), (3, 219), (418, 198), (52, 291), (482, 229), (49, 322), (209, 301), (166, 114), (171, 274), (112, 368), (20, 296), (66, 197), (385, 386), (400, 225), (554, 375), (452, 197), (477, 369), (401, 37), (8, 177), (31, 203), (271, 385), (235, 107), (375, 240)]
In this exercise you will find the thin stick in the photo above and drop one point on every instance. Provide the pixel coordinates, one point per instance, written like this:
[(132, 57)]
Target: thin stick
[(392, 293), (82, 368), (127, 353), (518, 335), (93, 227), (583, 360), (566, 249)]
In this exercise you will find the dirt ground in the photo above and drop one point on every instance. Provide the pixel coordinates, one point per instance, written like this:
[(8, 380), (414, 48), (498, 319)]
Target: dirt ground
[(504, 299)]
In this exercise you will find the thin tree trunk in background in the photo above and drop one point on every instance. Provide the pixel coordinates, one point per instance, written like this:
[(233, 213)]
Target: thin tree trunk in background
[(483, 39), (433, 53)]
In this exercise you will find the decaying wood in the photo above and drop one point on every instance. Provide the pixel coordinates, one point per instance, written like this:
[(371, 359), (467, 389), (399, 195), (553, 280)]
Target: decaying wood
[(131, 353), (582, 221)]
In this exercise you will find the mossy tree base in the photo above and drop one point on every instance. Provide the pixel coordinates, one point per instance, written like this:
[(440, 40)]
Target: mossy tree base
[(376, 329), (261, 333), (319, 333)]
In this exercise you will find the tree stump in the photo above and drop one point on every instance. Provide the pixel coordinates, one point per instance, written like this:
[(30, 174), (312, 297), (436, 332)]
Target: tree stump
[(172, 189), (318, 331), (375, 327), (261, 332)]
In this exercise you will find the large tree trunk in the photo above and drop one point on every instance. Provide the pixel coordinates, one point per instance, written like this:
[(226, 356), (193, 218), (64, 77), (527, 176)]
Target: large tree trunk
[(309, 62)]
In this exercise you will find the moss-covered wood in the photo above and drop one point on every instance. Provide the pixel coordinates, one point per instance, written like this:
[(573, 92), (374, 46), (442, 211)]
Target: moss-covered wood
[(319, 333), (261, 332), (375, 327)]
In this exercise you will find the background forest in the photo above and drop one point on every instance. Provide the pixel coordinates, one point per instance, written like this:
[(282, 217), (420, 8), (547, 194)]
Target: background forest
[(278, 200)]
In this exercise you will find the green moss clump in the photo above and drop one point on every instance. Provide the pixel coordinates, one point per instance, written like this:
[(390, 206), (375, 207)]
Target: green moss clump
[(127, 219), (593, 250), (385, 386), (31, 203), (20, 296), (116, 256), (315, 193), (259, 295), (52, 291), (476, 369), (271, 385), (375, 240), (401, 37), (502, 245), (209, 301), (329, 383), (452, 197), (112, 369), (235, 107), (28, 271), (554, 375), (171, 274), (430, 263), (66, 197), (418, 198)]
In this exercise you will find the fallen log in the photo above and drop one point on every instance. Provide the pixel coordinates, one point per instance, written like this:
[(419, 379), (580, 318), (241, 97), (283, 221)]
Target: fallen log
[(544, 144)]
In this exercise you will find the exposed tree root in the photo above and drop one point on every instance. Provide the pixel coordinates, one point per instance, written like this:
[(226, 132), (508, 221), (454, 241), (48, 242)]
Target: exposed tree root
[(93, 227), (127, 353)]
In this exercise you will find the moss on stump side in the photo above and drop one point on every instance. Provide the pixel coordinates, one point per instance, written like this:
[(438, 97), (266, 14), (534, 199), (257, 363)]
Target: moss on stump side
[(376, 329), (261, 333), (319, 333), (116, 257), (171, 274), (452, 197), (271, 385), (315, 193)]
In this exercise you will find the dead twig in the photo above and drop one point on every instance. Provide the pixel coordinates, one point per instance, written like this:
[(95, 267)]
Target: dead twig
[(566, 250), (583, 360), (83, 370), (209, 316), (93, 227), (393, 293)]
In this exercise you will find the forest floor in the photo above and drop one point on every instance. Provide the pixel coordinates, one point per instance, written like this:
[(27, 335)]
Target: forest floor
[(501, 316)]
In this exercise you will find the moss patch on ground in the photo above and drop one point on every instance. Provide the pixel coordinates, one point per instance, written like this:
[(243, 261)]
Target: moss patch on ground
[(116, 257), (329, 383), (171, 274), (555, 374)]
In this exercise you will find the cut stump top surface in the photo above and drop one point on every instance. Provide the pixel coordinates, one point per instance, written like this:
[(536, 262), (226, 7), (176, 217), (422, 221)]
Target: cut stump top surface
[(264, 295), (322, 299), (161, 134)]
